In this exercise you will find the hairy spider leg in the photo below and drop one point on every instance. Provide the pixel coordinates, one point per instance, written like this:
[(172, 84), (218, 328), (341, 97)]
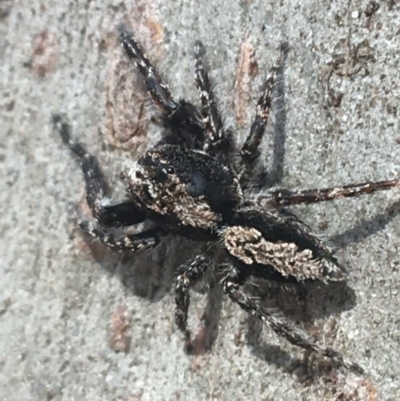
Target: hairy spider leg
[(157, 89), (122, 214), (250, 149), (231, 286), (285, 197), (118, 240), (211, 117), (181, 118), (188, 275)]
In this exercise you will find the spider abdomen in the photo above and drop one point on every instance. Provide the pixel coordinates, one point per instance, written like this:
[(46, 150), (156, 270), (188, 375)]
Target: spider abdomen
[(280, 240)]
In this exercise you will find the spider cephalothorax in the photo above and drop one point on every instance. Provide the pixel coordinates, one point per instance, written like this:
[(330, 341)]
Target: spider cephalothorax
[(193, 184), (189, 186)]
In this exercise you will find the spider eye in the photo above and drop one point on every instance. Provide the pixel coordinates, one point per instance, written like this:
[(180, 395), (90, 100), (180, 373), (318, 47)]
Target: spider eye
[(139, 175), (170, 170)]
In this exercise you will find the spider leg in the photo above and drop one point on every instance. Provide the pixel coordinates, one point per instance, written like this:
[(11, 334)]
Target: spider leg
[(211, 117), (188, 276), (250, 149), (119, 240), (181, 118), (284, 197), (123, 214), (157, 89), (231, 286)]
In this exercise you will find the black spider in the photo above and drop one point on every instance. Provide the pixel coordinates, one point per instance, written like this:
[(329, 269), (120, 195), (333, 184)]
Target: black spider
[(193, 183)]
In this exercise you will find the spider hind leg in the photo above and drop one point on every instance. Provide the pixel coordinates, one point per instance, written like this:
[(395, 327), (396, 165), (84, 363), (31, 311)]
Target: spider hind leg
[(231, 285), (187, 277)]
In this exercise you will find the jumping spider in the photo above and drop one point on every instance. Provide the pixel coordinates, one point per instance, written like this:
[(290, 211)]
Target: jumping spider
[(194, 183)]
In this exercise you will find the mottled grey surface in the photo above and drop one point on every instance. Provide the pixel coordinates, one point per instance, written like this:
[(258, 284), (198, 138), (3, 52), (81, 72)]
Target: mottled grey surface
[(57, 298)]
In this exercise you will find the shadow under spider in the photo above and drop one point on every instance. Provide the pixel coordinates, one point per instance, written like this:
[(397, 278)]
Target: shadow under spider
[(151, 276), (366, 228)]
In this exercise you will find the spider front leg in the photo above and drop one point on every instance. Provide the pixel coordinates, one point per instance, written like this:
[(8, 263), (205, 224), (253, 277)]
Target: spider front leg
[(211, 118), (250, 149), (120, 240), (181, 118), (285, 197), (157, 89), (122, 214), (231, 286), (188, 276)]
